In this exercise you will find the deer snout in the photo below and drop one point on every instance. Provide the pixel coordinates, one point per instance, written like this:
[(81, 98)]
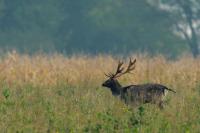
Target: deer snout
[(103, 84)]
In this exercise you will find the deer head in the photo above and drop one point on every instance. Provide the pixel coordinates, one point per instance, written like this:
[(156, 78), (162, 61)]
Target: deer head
[(112, 82)]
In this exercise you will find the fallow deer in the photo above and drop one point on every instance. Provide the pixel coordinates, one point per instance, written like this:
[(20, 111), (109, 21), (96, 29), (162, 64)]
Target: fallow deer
[(135, 94)]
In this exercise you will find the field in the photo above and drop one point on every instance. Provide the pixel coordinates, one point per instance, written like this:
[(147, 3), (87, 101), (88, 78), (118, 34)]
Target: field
[(57, 94)]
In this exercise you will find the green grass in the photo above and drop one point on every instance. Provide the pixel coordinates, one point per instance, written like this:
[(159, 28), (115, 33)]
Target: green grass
[(58, 95), (65, 108)]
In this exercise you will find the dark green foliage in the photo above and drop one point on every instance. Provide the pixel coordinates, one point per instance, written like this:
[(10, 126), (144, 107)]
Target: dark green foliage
[(110, 123), (185, 14), (105, 26), (6, 93)]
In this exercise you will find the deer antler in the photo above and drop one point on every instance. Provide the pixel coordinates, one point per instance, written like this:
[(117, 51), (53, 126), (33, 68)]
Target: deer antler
[(120, 69), (130, 67)]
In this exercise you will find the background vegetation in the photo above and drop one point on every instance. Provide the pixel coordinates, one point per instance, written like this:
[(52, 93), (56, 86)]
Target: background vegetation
[(54, 83), (54, 93), (106, 26)]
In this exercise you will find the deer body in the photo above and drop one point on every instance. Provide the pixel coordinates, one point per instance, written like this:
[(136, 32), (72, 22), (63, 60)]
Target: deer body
[(145, 93), (136, 94)]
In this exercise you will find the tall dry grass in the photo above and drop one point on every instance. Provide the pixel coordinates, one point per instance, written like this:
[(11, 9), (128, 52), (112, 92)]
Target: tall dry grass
[(49, 72)]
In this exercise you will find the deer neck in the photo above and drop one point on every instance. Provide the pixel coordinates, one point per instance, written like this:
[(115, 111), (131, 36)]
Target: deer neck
[(116, 88)]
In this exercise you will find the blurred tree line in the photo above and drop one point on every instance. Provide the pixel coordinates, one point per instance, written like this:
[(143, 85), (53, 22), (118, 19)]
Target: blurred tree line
[(86, 26)]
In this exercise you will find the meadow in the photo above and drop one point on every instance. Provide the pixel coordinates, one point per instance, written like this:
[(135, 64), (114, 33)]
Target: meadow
[(57, 94)]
